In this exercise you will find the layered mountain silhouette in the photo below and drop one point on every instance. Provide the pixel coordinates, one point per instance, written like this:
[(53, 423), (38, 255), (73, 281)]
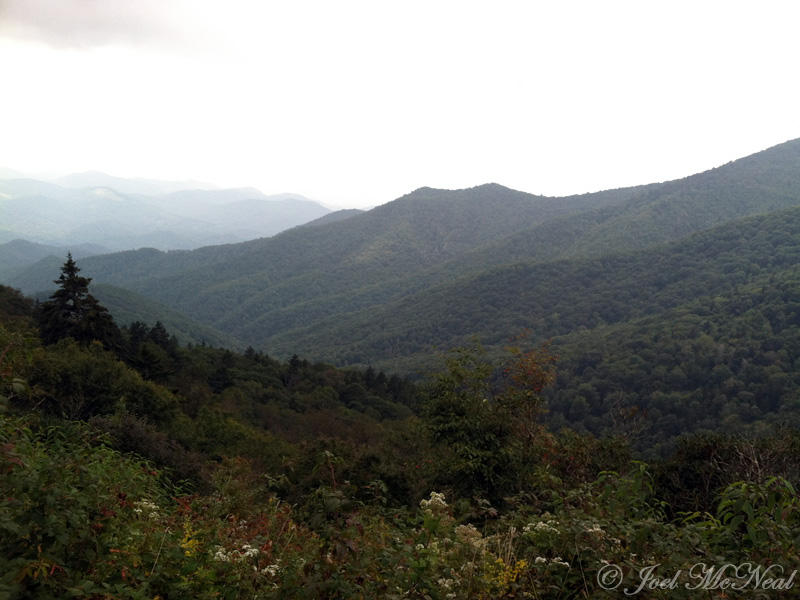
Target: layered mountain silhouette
[(391, 285), (121, 214)]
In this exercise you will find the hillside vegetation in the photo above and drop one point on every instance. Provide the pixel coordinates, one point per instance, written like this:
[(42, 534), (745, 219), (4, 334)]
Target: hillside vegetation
[(137, 468), (350, 274), (671, 306)]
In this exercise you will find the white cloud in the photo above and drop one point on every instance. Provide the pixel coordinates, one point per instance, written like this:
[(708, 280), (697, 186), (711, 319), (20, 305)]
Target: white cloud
[(88, 23), (359, 102)]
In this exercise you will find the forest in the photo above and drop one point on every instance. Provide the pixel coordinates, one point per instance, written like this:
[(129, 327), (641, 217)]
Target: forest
[(134, 466)]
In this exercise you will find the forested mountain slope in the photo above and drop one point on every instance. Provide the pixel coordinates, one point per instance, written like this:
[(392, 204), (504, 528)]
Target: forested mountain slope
[(128, 307), (432, 267), (17, 254), (556, 298), (719, 363), (423, 229)]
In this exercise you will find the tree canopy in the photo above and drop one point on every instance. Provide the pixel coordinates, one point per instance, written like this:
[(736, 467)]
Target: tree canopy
[(73, 312)]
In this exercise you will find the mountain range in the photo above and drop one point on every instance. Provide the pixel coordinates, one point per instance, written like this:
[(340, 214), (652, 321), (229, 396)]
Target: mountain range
[(636, 287), (433, 253), (120, 214)]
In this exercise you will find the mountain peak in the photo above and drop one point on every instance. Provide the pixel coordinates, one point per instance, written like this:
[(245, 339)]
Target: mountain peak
[(484, 187)]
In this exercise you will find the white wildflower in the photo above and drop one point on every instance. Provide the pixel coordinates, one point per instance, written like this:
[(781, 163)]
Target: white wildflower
[(147, 507), (595, 529), (547, 525), (445, 583), (468, 535), (557, 561), (271, 570), (435, 504), (222, 556)]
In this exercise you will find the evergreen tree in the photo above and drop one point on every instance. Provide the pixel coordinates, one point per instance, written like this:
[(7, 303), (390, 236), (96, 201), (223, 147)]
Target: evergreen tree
[(73, 312)]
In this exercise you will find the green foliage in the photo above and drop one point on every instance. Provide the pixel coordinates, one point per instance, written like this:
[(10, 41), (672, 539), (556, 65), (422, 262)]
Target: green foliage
[(435, 267), (13, 304), (64, 495), (464, 418), (72, 312), (78, 382), (486, 430), (725, 364), (309, 481), (760, 519), (128, 308)]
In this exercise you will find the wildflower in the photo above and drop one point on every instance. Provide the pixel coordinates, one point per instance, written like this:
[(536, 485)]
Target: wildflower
[(222, 556), (445, 583), (189, 543), (271, 570), (147, 507), (595, 530), (540, 527), (557, 561), (540, 560), (434, 504), (468, 535), (547, 525)]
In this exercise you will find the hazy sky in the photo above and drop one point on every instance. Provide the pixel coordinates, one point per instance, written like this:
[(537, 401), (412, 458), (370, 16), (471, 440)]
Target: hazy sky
[(356, 103)]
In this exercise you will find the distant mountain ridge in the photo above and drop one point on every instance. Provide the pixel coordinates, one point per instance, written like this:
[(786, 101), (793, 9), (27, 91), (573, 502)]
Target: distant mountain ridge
[(131, 213), (393, 283), (18, 254), (136, 186)]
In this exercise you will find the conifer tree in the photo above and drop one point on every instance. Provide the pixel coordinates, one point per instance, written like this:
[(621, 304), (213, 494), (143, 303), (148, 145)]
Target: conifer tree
[(73, 312)]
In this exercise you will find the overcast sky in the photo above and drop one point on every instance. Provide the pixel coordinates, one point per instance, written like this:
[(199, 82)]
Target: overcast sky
[(357, 103)]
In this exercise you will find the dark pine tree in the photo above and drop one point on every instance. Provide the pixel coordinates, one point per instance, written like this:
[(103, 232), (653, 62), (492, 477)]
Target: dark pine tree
[(73, 312)]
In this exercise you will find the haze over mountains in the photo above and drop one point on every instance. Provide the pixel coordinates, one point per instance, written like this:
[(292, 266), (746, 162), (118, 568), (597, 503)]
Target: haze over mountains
[(698, 271), (436, 266), (120, 214)]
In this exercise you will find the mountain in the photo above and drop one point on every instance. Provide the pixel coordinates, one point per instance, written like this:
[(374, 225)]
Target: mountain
[(137, 186), (338, 215), (18, 254), (122, 217), (126, 307), (244, 213), (380, 247), (428, 270), (555, 298), (718, 363)]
